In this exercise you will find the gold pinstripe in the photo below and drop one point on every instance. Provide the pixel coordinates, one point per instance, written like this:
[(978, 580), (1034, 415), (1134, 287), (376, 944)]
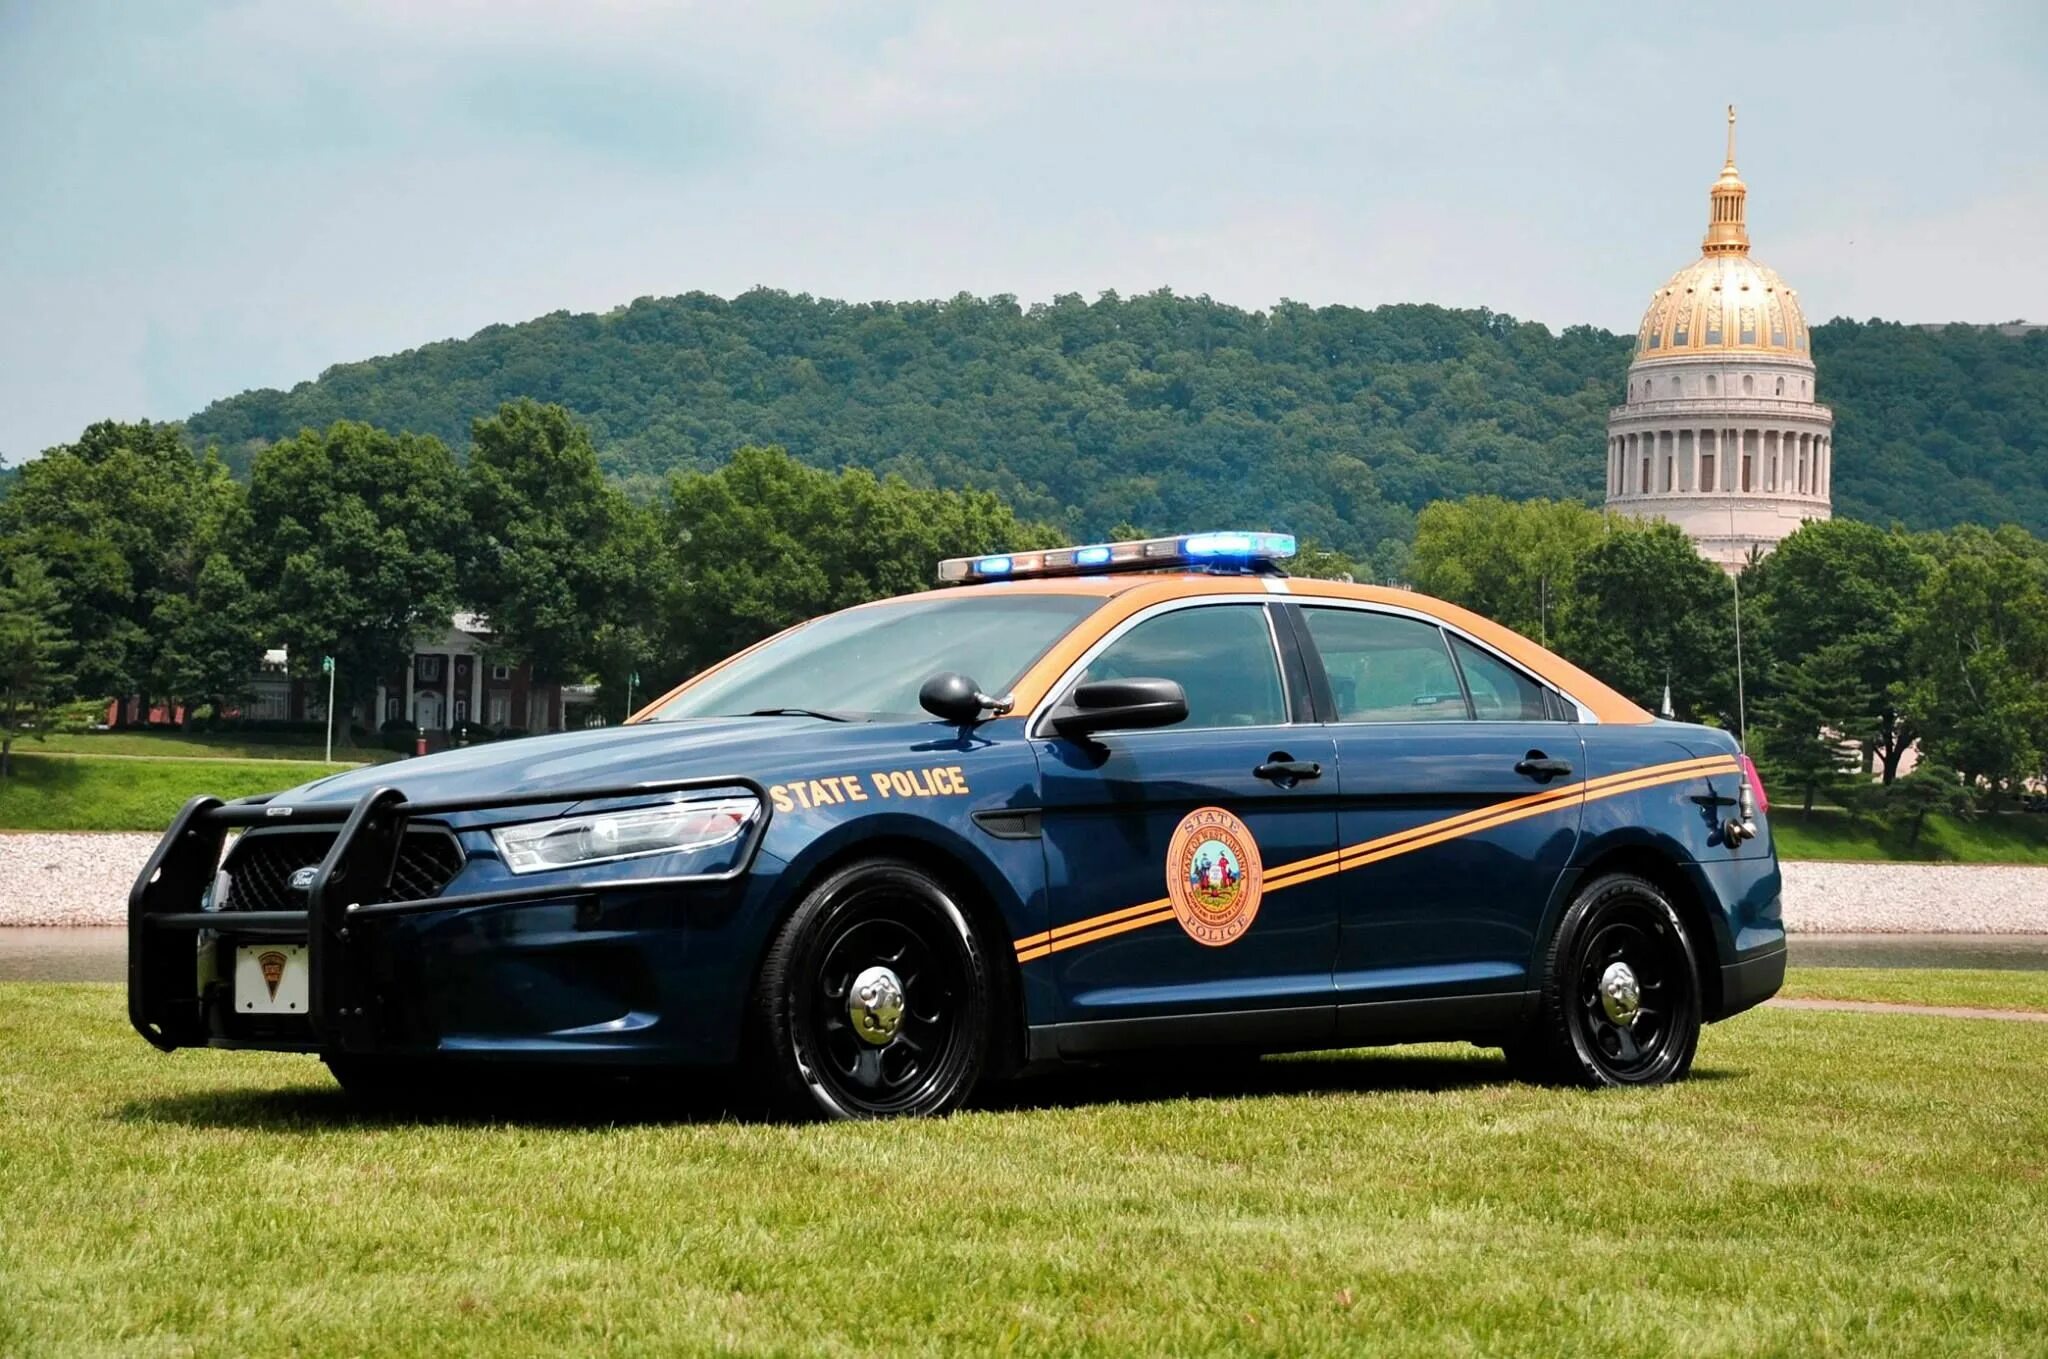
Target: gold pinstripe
[(1112, 923)]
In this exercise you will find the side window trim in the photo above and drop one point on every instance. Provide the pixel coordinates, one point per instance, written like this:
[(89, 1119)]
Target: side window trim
[(1037, 729)]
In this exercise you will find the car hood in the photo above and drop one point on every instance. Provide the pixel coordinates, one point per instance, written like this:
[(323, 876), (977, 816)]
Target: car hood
[(641, 753)]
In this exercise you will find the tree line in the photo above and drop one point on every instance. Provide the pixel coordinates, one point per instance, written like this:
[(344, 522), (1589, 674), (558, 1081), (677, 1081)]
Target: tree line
[(1860, 644), (132, 565), (1159, 409)]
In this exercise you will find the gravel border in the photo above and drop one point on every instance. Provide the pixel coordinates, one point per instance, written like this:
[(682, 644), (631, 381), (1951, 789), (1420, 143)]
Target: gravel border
[(82, 878)]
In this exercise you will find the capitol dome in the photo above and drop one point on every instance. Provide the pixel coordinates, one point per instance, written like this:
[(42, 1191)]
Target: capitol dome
[(1722, 304), (1719, 432)]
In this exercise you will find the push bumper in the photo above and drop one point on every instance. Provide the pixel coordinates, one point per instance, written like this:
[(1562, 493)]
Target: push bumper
[(349, 921)]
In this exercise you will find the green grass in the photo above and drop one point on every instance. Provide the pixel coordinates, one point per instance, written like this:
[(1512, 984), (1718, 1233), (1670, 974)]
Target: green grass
[(197, 744), (64, 793), (1981, 987), (2008, 838), (1827, 1183)]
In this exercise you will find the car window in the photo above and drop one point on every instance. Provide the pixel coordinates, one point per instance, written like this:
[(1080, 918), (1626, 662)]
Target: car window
[(1221, 654), (1500, 693), (871, 661), (1385, 668)]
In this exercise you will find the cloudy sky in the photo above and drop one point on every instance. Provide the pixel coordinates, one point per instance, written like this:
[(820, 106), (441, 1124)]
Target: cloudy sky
[(201, 198)]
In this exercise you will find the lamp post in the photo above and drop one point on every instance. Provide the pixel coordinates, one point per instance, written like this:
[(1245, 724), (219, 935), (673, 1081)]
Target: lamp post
[(327, 664)]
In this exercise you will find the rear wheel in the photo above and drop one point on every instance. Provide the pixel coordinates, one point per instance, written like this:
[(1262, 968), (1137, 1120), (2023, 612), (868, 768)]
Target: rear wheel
[(1620, 1001), (874, 999)]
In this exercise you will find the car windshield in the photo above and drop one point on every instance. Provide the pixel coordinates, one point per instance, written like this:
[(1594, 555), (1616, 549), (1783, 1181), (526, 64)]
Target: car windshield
[(870, 662)]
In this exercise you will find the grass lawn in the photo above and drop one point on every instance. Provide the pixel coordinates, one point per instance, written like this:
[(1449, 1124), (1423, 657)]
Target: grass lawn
[(63, 793), (2008, 838), (1980, 987), (198, 744), (1827, 1183)]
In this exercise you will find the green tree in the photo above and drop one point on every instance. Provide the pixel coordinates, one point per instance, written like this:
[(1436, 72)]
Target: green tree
[(1647, 610), (212, 637), (765, 542), (1512, 562), (1802, 729), (1979, 651), (354, 533), (32, 653), (1930, 790), (556, 559), (121, 519), (1322, 563), (1840, 584)]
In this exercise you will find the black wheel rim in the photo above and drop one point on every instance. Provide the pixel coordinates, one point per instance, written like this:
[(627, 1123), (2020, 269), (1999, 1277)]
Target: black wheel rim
[(1641, 1044), (917, 942)]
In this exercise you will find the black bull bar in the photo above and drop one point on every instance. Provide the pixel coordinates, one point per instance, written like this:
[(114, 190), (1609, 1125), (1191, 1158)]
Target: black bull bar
[(164, 1003)]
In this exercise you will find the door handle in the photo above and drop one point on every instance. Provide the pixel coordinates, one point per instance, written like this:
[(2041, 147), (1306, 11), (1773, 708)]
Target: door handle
[(1539, 766), (1286, 772)]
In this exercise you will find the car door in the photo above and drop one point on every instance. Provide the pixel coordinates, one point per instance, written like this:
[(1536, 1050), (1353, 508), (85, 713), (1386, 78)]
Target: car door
[(1460, 785), (1183, 902)]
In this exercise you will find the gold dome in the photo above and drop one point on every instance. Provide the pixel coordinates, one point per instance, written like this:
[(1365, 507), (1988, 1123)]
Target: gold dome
[(1724, 302)]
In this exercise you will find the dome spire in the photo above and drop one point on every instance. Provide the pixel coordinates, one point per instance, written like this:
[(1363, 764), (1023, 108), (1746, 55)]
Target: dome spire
[(1727, 224)]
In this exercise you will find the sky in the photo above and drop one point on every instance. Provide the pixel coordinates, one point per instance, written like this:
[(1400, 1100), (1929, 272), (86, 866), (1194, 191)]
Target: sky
[(197, 199)]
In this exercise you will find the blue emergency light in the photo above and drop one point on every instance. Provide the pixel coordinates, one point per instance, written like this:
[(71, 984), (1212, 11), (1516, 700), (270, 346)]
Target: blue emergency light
[(1219, 551)]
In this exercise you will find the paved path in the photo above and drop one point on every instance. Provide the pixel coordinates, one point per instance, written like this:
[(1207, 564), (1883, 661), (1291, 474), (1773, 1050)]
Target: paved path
[(83, 879), (1886, 1007)]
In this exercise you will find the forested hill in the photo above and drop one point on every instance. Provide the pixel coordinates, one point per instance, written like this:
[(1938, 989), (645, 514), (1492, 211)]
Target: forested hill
[(1162, 410)]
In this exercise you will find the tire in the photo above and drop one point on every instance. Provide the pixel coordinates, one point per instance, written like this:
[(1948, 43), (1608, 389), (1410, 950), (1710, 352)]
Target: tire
[(1586, 1032), (830, 1048)]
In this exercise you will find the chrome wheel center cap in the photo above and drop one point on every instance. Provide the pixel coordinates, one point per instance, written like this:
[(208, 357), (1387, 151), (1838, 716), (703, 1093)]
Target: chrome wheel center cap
[(875, 1005), (1620, 996)]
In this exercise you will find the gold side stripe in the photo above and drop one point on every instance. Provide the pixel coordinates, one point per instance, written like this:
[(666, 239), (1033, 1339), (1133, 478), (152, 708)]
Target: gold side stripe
[(1116, 922)]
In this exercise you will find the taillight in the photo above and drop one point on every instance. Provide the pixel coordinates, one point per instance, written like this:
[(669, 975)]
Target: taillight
[(1756, 784)]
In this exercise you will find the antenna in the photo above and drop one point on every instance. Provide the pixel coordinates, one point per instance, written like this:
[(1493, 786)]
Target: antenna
[(1741, 704)]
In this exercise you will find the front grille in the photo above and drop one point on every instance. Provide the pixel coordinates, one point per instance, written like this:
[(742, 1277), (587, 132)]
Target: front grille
[(260, 867)]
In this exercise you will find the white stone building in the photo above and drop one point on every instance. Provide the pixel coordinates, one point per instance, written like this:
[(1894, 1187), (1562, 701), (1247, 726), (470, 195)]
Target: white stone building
[(1720, 432)]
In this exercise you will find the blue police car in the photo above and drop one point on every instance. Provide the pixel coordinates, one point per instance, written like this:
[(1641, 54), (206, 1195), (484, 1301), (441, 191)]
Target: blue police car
[(1113, 799)]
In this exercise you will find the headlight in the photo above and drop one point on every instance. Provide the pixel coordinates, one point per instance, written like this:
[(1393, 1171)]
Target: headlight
[(604, 837)]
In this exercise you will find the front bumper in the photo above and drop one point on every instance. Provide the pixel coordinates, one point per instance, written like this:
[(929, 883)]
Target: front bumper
[(541, 970)]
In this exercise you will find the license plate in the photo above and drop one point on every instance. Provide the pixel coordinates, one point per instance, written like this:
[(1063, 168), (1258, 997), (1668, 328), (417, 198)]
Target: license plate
[(271, 979)]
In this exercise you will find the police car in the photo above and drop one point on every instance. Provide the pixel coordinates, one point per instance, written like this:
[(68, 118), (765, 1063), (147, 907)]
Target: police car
[(1116, 799)]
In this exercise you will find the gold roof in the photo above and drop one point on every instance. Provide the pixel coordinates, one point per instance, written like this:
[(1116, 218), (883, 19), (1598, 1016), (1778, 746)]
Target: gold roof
[(1724, 302)]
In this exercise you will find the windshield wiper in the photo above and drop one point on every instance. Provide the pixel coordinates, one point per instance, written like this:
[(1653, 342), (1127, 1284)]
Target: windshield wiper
[(804, 712)]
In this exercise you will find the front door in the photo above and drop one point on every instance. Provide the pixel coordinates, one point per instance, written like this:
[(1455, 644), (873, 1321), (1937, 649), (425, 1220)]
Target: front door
[(1181, 862), (1461, 787)]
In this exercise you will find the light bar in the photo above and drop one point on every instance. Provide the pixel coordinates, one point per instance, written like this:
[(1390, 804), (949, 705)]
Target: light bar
[(1219, 551)]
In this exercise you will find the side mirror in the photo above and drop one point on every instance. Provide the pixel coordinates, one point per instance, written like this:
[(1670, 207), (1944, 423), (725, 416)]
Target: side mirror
[(1121, 705), (953, 697)]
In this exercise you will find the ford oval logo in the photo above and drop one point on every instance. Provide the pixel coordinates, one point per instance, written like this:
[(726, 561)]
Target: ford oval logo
[(302, 878)]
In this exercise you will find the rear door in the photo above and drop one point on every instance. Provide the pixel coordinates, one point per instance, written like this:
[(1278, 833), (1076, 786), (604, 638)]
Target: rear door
[(1180, 911), (1460, 782)]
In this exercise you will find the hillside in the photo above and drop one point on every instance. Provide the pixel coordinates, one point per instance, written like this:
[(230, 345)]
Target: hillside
[(1336, 422)]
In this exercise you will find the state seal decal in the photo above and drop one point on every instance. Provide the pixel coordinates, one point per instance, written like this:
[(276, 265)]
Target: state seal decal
[(1213, 876)]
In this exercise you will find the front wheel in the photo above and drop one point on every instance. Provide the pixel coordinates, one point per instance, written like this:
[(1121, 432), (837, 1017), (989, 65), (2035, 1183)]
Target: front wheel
[(1620, 1002), (874, 999)]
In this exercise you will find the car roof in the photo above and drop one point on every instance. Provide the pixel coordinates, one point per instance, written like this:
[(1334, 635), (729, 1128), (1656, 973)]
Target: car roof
[(1128, 593)]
